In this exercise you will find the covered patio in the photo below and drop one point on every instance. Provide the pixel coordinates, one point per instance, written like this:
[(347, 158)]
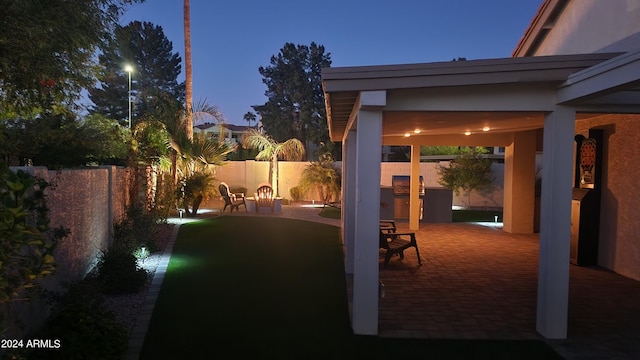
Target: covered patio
[(518, 103), (479, 282)]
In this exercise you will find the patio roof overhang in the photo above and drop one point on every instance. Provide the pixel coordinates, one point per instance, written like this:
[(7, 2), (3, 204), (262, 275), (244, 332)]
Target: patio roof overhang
[(444, 100), (435, 104)]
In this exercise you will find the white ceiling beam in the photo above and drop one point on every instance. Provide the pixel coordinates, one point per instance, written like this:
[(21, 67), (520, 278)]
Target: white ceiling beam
[(619, 73)]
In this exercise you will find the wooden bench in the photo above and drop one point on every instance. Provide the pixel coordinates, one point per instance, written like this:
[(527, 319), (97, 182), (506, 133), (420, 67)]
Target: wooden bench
[(394, 242)]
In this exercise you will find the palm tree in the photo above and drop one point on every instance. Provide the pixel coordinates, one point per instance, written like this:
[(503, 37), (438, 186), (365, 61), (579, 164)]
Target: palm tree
[(271, 150), (185, 146), (249, 117), (187, 70), (197, 188), (197, 157), (149, 154)]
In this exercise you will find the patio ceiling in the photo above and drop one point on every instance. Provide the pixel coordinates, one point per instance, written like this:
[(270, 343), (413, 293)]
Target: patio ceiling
[(399, 123), (451, 98)]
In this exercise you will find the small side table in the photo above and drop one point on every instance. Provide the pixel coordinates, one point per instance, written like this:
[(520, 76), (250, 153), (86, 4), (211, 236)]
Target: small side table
[(250, 202)]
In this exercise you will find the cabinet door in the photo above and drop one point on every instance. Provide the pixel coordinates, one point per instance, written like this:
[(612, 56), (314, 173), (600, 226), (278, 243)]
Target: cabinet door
[(575, 230), (401, 207)]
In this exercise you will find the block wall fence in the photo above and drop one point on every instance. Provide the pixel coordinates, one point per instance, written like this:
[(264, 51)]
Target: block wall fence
[(250, 173), (87, 202)]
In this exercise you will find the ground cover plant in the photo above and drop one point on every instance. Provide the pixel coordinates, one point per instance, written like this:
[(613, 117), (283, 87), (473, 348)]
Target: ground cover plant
[(263, 287), (83, 326)]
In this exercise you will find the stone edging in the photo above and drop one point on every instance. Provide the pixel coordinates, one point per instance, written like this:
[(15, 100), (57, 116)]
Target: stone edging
[(136, 338)]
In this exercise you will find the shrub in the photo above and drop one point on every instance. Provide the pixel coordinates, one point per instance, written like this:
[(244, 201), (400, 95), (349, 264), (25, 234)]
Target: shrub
[(296, 193), (323, 176), (138, 228), (27, 242), (467, 172), (118, 270), (198, 187), (85, 327), (118, 273)]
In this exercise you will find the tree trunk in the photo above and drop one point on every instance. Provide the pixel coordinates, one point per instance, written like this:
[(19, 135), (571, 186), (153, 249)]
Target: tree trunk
[(174, 167), (322, 195), (187, 70), (196, 204), (274, 175), (151, 186)]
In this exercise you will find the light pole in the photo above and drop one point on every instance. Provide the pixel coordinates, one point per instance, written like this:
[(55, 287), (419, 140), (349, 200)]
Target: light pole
[(128, 68)]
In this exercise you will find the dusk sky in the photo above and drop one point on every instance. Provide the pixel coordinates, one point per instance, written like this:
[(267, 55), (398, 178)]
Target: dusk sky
[(230, 40)]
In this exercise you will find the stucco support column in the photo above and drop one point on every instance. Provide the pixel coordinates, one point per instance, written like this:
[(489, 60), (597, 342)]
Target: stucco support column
[(349, 198), (519, 183), (367, 213), (414, 194), (555, 223)]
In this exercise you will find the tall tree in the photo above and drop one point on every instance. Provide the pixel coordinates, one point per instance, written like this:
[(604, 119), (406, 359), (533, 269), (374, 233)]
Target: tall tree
[(145, 47), (295, 107), (47, 49), (271, 150), (188, 71)]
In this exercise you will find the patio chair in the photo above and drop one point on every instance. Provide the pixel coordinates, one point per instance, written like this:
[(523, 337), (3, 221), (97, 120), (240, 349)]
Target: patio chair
[(394, 242), (264, 197), (234, 200)]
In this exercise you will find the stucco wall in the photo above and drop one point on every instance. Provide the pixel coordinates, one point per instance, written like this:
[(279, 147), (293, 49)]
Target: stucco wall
[(250, 173), (587, 26), (619, 246), (612, 25)]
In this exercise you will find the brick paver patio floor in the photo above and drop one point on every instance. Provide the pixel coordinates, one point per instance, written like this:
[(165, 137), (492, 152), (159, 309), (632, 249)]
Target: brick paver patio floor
[(479, 282)]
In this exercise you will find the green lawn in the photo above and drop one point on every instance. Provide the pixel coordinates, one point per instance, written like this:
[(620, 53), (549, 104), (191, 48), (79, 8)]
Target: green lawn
[(274, 288)]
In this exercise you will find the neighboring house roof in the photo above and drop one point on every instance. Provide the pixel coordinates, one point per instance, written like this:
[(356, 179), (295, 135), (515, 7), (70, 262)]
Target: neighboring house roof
[(230, 127), (237, 127)]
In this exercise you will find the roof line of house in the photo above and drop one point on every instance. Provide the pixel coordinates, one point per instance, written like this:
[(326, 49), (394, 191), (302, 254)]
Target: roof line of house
[(540, 25)]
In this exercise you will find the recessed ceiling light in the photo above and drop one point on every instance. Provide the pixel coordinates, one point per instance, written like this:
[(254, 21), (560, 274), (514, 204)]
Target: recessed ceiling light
[(467, 132), (407, 134), (486, 128), (417, 131)]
